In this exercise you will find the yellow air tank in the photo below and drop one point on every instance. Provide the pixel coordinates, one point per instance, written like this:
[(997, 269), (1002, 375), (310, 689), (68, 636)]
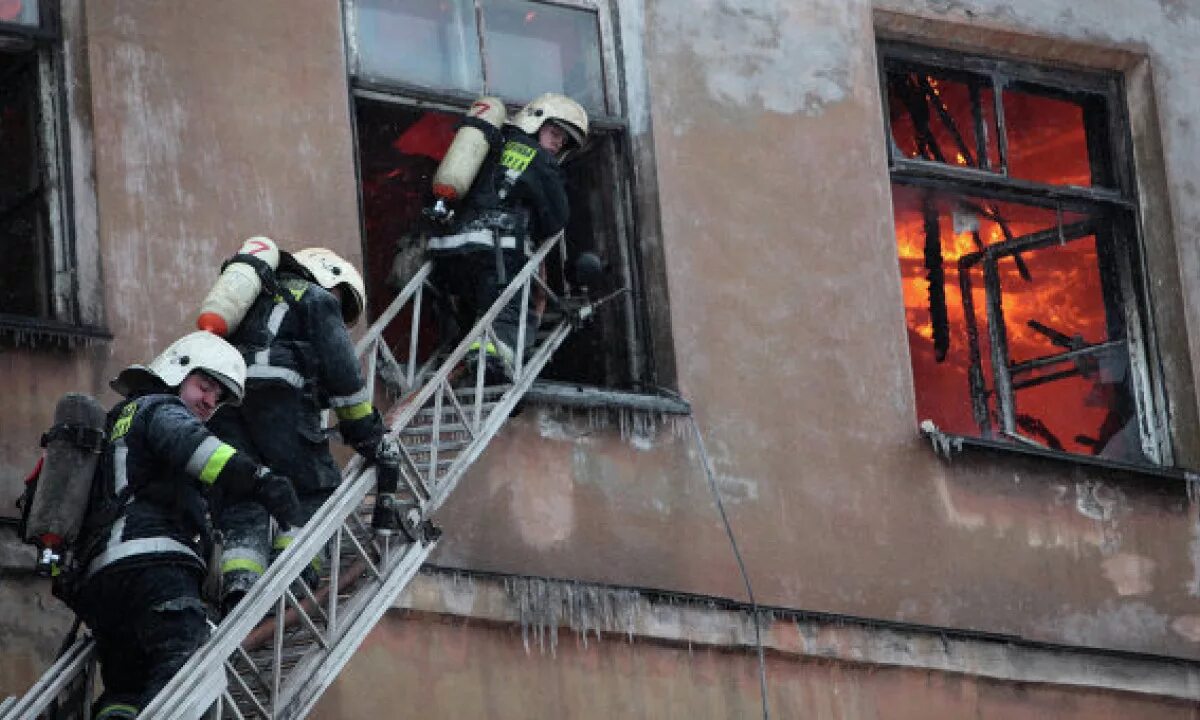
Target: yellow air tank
[(237, 287), (467, 152)]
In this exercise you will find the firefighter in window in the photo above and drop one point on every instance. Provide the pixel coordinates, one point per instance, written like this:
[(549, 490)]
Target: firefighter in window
[(504, 179)]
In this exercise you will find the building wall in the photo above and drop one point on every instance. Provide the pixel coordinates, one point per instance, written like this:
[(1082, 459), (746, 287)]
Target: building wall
[(790, 345), (218, 120), (450, 667)]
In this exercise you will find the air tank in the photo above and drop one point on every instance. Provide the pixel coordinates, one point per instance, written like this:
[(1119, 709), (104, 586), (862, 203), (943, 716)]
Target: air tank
[(467, 152), (64, 482), (236, 289)]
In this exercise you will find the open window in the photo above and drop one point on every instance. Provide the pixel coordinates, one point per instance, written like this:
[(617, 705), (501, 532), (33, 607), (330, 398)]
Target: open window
[(39, 285), (416, 65), (1016, 229)]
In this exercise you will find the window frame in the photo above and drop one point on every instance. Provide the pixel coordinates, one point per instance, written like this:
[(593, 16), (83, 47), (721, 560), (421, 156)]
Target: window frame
[(613, 117), (1119, 201), (66, 322), (643, 370)]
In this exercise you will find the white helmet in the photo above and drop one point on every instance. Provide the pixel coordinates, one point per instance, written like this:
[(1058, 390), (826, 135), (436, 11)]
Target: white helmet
[(330, 270), (559, 109), (200, 350)]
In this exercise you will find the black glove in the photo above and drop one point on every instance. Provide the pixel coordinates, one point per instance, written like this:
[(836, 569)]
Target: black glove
[(278, 496)]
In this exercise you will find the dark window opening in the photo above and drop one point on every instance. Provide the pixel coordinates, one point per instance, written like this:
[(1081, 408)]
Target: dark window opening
[(1018, 300), (399, 149), (39, 284), (24, 227)]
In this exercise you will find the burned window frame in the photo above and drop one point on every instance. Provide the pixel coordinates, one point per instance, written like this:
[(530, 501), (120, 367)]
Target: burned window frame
[(1115, 202), (633, 366), (61, 319)]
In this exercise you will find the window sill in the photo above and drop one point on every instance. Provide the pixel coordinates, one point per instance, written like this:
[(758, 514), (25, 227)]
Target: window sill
[(586, 396), (30, 332), (947, 445)]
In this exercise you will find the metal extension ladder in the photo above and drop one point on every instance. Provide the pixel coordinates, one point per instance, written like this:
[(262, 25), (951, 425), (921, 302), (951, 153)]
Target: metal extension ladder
[(285, 642)]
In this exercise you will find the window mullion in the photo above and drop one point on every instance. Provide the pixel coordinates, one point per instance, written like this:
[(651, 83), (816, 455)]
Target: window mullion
[(59, 266), (998, 84), (613, 102), (350, 32), (481, 30), (1001, 379)]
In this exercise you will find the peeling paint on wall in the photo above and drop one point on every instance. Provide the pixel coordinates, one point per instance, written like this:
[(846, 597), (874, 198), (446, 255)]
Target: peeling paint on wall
[(1114, 624), (1130, 574), (1187, 626), (1101, 502), (782, 57)]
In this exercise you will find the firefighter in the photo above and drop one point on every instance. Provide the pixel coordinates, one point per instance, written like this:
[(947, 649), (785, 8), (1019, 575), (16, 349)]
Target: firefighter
[(517, 199), (144, 561), (300, 359)]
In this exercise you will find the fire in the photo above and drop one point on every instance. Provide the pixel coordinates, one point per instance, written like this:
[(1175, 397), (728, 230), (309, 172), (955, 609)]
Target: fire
[(1047, 143)]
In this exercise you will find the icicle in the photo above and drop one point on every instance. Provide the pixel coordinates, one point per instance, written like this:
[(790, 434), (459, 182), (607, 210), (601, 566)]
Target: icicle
[(1193, 487)]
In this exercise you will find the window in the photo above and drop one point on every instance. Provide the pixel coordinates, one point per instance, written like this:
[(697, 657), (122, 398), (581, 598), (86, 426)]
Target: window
[(1017, 235), (38, 281), (415, 67)]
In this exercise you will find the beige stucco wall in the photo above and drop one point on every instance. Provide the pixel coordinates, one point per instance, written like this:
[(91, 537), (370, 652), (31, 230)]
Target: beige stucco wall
[(451, 669), (790, 345), (216, 120)]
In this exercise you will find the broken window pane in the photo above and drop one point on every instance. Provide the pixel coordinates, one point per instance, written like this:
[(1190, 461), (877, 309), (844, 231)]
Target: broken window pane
[(24, 234), (431, 43), (533, 48), (1060, 306), (1055, 312), (944, 118), (1048, 138), (1083, 406)]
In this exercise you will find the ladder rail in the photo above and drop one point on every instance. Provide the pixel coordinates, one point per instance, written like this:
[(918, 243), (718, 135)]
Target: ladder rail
[(482, 326), (267, 592), (46, 691)]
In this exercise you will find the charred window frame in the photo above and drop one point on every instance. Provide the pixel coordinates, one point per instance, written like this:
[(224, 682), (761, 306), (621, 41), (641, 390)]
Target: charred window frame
[(1017, 179), (427, 98), (39, 284)]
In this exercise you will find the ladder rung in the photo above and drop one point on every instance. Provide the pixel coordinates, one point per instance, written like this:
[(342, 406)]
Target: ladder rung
[(444, 445), (449, 413), (427, 430)]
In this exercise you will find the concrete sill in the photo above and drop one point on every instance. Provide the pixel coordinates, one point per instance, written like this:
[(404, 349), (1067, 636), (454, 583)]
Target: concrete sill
[(39, 332), (572, 395), (948, 445)]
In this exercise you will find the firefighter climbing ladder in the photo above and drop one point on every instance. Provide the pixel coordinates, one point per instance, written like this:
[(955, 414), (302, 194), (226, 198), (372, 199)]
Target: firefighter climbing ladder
[(285, 643)]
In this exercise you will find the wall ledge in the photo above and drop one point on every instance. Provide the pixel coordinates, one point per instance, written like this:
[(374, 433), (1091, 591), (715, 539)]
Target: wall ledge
[(546, 609)]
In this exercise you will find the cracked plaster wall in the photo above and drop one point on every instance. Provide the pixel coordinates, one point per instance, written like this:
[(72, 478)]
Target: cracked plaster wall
[(786, 315), (790, 345)]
